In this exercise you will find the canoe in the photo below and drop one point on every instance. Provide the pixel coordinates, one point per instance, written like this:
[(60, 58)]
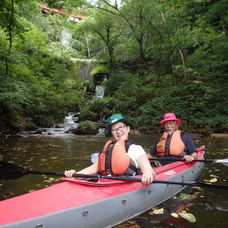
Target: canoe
[(83, 203)]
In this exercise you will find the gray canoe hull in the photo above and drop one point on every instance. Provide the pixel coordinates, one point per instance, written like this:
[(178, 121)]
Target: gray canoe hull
[(114, 210)]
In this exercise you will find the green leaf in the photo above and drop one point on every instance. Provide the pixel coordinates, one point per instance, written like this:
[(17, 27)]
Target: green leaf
[(188, 216)]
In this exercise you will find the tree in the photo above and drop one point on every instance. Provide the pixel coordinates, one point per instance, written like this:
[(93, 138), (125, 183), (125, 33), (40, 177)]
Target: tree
[(103, 27)]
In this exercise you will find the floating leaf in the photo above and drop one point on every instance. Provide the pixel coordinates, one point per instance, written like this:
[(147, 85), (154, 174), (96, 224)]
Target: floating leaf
[(188, 205), (181, 208), (198, 188), (188, 216), (206, 180), (49, 180), (187, 196), (213, 180), (214, 176), (158, 211), (175, 215), (197, 193)]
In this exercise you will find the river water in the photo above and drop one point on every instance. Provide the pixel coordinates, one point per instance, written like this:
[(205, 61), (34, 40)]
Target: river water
[(58, 152)]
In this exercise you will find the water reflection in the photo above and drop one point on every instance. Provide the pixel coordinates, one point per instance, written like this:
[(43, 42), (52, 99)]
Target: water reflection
[(58, 153)]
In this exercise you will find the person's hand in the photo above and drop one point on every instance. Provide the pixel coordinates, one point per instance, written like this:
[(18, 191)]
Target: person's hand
[(147, 177), (69, 173), (188, 158)]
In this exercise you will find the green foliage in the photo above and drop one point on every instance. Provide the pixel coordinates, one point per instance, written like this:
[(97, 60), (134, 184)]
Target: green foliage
[(86, 128), (127, 101), (100, 69), (86, 114), (96, 108), (36, 89), (162, 56)]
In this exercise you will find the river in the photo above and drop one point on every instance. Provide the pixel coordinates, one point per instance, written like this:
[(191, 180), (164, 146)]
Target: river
[(59, 152)]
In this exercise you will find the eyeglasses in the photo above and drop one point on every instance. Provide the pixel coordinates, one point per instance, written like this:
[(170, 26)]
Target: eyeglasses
[(170, 123), (120, 128)]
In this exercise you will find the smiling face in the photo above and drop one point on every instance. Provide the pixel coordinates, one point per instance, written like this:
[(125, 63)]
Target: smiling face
[(170, 126), (120, 131)]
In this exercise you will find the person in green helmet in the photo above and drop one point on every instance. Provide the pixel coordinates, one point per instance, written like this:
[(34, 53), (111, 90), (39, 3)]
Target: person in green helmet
[(119, 156)]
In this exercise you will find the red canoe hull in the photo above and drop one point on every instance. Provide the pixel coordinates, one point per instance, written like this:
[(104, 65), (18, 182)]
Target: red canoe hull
[(103, 204)]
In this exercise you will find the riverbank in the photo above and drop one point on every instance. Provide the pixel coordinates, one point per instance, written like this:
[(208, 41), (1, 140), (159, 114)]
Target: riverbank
[(220, 135)]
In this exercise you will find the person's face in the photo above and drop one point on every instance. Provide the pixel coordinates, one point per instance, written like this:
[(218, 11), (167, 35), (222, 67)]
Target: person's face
[(170, 126), (120, 131)]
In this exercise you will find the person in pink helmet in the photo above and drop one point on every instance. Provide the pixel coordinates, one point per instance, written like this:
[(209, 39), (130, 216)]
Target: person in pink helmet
[(173, 142)]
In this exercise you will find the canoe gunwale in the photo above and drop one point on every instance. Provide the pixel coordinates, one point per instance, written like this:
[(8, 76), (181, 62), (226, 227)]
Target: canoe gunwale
[(131, 200)]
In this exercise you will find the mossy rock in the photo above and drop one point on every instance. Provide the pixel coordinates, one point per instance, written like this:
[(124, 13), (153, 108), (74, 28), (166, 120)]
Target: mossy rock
[(86, 128)]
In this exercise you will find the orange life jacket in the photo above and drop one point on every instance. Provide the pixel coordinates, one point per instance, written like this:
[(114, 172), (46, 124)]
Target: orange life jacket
[(170, 144), (114, 159)]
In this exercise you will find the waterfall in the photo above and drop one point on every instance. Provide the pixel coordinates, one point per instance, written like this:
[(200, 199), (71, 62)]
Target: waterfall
[(69, 119), (69, 124), (99, 92), (82, 68), (66, 38), (99, 89)]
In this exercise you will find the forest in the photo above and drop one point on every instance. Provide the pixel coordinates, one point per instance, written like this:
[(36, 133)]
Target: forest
[(160, 56)]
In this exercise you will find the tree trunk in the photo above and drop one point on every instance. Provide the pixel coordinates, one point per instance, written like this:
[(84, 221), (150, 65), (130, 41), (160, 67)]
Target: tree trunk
[(10, 29)]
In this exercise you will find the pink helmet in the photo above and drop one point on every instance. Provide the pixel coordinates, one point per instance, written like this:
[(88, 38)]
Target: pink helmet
[(170, 117)]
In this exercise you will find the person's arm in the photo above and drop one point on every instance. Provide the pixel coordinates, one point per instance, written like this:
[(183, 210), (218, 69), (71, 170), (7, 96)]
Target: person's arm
[(191, 149), (152, 153), (194, 155), (149, 155), (148, 173), (93, 169)]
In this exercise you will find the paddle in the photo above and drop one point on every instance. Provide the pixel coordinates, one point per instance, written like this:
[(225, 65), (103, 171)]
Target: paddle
[(9, 171), (220, 161), (94, 158)]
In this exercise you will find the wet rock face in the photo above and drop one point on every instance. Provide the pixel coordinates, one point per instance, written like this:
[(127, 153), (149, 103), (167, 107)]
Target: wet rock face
[(70, 123), (6, 130)]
